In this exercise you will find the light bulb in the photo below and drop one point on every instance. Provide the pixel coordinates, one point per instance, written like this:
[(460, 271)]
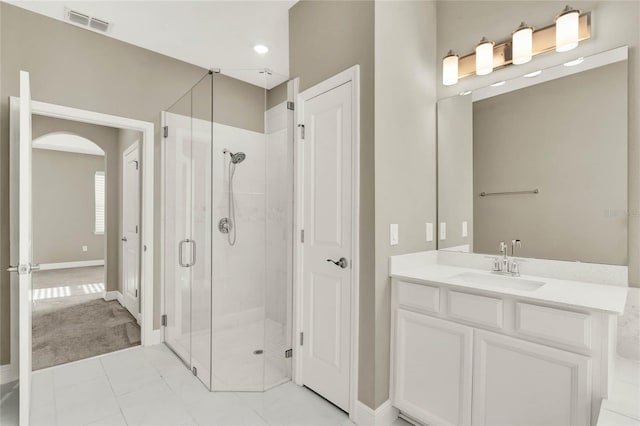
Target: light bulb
[(484, 57), (450, 69), (522, 44), (567, 29)]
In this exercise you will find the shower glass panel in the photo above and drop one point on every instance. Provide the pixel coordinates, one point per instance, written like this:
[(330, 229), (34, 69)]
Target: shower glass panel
[(228, 187), (187, 228)]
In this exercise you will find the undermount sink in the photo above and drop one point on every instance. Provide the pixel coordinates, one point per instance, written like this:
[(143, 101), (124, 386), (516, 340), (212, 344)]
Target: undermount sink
[(499, 281)]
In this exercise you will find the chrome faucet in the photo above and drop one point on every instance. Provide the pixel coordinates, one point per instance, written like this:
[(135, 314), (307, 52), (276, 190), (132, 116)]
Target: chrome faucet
[(504, 265)]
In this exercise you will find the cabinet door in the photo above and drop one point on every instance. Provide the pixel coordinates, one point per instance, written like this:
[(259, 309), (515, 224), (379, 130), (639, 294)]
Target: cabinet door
[(432, 369), (523, 383)]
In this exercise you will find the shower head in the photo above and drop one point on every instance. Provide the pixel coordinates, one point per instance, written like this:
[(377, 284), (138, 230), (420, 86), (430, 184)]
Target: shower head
[(236, 158)]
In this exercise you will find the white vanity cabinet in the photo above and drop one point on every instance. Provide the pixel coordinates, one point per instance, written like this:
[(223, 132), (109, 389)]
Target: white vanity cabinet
[(472, 358), (433, 361)]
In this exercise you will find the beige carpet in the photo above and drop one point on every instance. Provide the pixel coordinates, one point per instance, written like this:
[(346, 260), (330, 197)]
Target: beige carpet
[(81, 330)]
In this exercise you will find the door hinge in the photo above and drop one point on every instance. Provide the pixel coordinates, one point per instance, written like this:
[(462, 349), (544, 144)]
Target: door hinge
[(301, 339), (136, 229), (195, 371), (288, 353), (301, 130), (302, 235), (136, 292), (165, 131), (163, 320), (290, 105)]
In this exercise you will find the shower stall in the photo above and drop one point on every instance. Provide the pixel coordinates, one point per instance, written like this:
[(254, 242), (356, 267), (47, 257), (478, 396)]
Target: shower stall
[(227, 186)]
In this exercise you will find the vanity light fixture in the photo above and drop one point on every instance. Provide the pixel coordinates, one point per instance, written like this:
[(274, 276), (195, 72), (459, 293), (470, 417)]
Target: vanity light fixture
[(533, 74), (522, 44), (450, 69), (484, 57), (260, 49), (574, 62), (567, 29), (498, 83)]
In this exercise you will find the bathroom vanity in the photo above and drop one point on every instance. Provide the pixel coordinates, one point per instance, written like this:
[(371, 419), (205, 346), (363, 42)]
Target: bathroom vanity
[(472, 347)]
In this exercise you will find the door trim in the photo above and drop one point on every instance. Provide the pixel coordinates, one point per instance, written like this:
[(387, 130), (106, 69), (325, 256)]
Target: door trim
[(134, 147), (350, 75), (148, 335)]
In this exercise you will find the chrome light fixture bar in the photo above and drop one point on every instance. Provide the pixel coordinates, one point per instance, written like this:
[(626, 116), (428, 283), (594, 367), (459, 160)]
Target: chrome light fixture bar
[(559, 35)]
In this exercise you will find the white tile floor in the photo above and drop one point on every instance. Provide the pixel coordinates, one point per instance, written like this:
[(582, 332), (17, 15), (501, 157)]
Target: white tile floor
[(150, 386)]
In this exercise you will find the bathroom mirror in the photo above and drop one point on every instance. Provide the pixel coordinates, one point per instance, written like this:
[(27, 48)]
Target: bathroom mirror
[(542, 159)]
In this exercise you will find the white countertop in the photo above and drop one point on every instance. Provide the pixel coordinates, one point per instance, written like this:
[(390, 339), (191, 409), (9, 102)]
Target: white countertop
[(574, 294)]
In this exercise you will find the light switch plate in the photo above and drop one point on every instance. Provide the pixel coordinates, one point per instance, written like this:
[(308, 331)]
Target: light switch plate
[(465, 229), (443, 231), (429, 231), (393, 234)]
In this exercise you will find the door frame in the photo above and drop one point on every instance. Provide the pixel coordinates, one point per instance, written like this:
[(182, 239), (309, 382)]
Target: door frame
[(349, 75), (148, 335), (134, 146)]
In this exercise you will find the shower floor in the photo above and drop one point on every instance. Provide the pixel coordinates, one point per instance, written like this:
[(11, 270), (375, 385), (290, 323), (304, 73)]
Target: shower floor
[(235, 365)]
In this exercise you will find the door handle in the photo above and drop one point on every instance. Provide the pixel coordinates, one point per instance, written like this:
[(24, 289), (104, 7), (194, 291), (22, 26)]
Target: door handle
[(12, 268), (184, 265), (35, 267), (124, 239), (193, 252), (342, 262)]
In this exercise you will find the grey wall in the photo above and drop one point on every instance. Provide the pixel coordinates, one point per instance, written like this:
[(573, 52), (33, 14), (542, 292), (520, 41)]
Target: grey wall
[(325, 38), (455, 170), (107, 139), (63, 207), (405, 138), (277, 95), (74, 67), (615, 23), (569, 139)]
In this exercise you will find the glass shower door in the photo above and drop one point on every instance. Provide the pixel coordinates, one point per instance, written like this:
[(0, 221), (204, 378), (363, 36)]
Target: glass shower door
[(177, 154), (187, 140)]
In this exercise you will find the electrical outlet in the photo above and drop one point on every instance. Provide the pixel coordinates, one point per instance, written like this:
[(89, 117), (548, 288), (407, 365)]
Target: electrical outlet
[(443, 231), (393, 234), (85, 248), (429, 231)]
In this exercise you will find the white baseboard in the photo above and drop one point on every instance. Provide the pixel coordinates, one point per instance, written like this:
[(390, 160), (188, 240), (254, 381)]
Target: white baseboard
[(384, 415), (113, 295), (8, 373), (67, 265), (155, 338)]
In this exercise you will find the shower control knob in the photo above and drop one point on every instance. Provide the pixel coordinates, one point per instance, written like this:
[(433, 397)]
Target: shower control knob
[(342, 262)]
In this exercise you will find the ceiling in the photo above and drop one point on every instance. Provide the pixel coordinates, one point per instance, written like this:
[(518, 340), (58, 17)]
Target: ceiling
[(207, 33)]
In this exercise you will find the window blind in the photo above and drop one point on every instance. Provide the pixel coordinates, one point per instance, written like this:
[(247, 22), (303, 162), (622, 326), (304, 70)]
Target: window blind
[(99, 203)]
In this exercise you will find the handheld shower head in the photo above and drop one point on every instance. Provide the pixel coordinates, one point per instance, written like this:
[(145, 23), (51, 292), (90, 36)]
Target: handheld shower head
[(236, 158)]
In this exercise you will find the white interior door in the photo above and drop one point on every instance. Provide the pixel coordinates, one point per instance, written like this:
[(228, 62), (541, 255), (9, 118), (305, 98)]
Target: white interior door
[(131, 229), (20, 256), (327, 286)]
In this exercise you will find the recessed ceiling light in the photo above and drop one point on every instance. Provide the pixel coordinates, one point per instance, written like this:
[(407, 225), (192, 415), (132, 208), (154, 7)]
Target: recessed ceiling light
[(533, 74), (465, 93), (574, 62), (499, 83), (261, 49)]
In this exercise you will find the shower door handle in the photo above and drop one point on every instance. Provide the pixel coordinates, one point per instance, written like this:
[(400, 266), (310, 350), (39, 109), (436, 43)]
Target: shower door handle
[(193, 252), (180, 253)]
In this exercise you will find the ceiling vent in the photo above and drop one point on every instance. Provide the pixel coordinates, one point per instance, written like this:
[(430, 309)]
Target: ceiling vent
[(99, 24), (86, 20)]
